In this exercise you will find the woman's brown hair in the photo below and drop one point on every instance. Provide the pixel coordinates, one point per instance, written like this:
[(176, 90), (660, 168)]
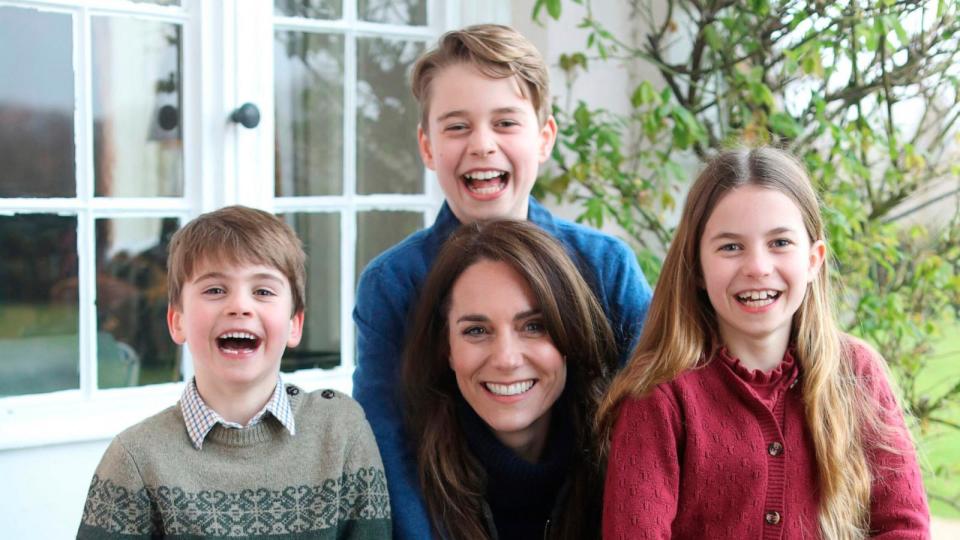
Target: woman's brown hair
[(452, 479)]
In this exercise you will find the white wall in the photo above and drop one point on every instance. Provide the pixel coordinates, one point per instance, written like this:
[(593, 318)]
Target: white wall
[(44, 489)]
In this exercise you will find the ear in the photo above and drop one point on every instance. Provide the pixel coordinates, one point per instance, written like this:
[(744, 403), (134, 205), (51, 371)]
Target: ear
[(426, 152), (548, 136), (175, 325), (818, 251), (296, 329)]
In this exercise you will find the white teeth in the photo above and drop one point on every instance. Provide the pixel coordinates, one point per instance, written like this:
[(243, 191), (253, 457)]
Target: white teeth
[(509, 389), (482, 175), (238, 335)]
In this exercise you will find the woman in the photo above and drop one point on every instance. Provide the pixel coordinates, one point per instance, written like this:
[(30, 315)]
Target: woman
[(509, 356)]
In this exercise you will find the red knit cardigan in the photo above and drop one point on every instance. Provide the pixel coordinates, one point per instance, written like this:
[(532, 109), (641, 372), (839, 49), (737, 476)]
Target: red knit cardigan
[(724, 452)]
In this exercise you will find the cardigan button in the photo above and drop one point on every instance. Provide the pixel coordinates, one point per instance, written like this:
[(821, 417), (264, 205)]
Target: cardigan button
[(775, 449), (327, 394), (772, 518)]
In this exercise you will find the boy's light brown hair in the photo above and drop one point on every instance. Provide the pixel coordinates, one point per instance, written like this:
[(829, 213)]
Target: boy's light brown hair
[(237, 235), (497, 52)]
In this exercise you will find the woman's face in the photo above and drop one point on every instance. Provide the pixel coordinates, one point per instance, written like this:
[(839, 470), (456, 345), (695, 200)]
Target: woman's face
[(506, 365)]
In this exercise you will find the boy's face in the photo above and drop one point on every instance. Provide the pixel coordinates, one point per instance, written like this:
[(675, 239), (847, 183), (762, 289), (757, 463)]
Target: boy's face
[(237, 320), (484, 142)]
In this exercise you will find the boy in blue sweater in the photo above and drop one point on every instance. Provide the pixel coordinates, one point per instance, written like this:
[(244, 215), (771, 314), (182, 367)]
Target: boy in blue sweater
[(485, 128)]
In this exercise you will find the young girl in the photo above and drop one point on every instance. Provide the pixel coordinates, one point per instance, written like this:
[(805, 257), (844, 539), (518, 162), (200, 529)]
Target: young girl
[(745, 413)]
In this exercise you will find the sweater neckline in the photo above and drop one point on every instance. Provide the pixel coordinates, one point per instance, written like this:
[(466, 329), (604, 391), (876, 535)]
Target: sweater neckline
[(758, 377), (511, 480)]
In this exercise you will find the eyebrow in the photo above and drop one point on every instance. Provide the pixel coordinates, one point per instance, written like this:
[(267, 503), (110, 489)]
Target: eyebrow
[(476, 317), (462, 112), (258, 276), (735, 236)]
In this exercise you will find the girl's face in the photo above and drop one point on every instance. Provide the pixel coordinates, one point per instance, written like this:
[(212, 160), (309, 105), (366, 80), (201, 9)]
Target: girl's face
[(757, 260), (505, 363)]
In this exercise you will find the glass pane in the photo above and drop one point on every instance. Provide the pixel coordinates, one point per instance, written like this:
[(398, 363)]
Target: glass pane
[(406, 12), (387, 115), (36, 104), (311, 9), (379, 230), (39, 311), (159, 2), (137, 108), (133, 345), (320, 346), (308, 78)]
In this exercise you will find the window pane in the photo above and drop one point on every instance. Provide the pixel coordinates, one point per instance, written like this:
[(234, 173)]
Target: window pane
[(320, 346), (133, 345), (406, 12), (387, 115), (137, 108), (36, 104), (39, 311), (311, 9), (308, 78), (379, 230)]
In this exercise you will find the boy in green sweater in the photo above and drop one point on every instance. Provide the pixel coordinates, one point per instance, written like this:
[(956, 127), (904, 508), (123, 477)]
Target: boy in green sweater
[(242, 455)]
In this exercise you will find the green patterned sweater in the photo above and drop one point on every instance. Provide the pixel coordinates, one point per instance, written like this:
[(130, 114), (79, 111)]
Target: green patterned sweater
[(326, 482)]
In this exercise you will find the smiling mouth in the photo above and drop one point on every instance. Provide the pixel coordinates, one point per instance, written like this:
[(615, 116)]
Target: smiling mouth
[(512, 389), (237, 343), (486, 182), (758, 299)]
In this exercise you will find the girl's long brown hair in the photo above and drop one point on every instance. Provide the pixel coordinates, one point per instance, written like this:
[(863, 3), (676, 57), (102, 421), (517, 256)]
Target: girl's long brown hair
[(681, 333), (452, 479)]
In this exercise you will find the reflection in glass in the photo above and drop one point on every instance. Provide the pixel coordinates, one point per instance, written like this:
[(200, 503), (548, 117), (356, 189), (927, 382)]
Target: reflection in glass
[(320, 346), (406, 12), (37, 149), (387, 116), (311, 9), (39, 309), (137, 108), (379, 230), (308, 78), (133, 346)]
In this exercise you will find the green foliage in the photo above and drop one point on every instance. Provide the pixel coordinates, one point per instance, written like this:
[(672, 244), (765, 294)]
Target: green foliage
[(867, 93)]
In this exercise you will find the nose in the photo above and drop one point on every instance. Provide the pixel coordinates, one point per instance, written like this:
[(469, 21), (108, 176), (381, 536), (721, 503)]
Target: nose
[(482, 142), (758, 264), (238, 305), (507, 353)]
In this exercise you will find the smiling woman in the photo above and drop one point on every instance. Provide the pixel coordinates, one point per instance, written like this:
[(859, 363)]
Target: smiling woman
[(508, 356)]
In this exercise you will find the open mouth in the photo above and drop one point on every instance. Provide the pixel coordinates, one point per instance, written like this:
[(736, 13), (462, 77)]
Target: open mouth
[(486, 182), (758, 299), (511, 389), (237, 343)]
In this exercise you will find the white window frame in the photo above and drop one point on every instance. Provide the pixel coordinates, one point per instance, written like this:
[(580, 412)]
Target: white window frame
[(222, 163)]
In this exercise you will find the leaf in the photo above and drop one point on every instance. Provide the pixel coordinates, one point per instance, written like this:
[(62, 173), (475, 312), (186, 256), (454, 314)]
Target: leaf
[(553, 8), (784, 124), (761, 94), (643, 94)]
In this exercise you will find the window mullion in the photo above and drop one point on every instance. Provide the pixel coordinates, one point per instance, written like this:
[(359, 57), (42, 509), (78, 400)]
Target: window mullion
[(86, 263), (348, 218)]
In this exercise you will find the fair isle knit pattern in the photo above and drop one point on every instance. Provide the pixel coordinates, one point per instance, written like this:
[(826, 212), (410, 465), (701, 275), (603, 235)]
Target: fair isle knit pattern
[(200, 418), (254, 482)]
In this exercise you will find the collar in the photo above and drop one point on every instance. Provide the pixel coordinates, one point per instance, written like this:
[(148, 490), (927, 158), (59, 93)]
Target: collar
[(200, 418), (447, 222)]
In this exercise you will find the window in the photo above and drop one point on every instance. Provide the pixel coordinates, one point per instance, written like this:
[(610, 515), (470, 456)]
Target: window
[(115, 131)]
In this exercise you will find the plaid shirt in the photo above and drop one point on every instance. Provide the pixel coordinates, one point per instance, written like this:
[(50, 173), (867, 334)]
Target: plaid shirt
[(200, 418)]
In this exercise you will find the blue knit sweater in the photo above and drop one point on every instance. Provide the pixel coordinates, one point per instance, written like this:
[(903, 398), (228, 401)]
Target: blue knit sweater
[(386, 294)]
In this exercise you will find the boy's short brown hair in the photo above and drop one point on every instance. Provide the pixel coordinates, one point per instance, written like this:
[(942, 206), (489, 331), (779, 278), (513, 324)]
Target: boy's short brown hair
[(233, 235), (497, 52)]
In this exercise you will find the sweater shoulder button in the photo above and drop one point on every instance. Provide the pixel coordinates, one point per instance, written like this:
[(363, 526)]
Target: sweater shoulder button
[(327, 394)]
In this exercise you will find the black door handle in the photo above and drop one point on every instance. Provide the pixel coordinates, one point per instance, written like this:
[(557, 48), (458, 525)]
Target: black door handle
[(248, 116)]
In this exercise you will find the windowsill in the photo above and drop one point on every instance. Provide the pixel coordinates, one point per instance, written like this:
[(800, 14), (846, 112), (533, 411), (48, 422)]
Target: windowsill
[(65, 417)]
